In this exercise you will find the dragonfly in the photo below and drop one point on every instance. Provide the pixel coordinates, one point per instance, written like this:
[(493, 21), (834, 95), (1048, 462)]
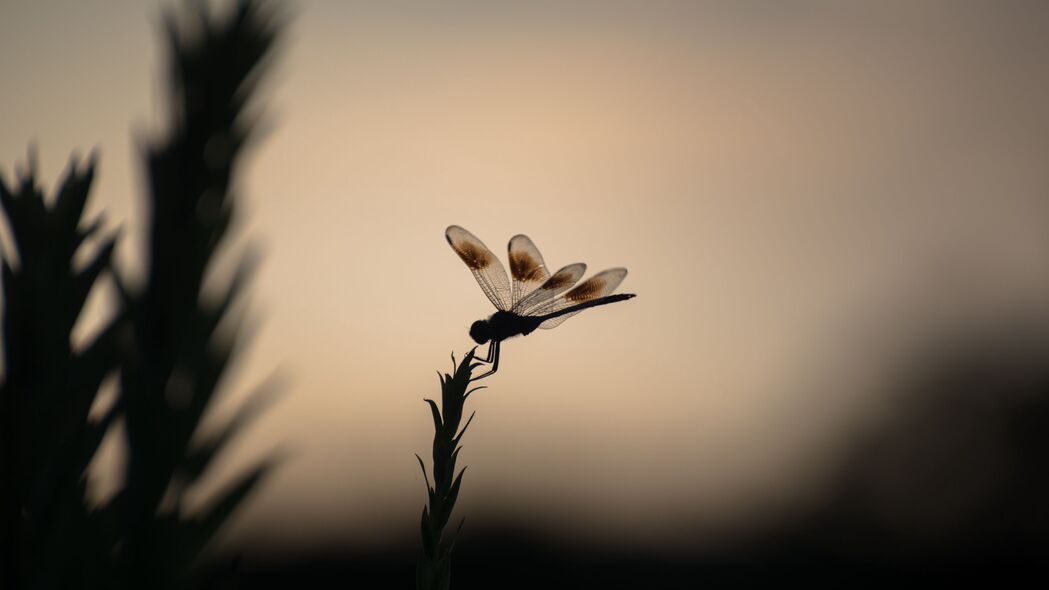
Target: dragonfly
[(531, 297)]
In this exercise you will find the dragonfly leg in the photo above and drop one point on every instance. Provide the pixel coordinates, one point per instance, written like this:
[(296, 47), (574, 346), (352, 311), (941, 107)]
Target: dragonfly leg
[(489, 356), (493, 354)]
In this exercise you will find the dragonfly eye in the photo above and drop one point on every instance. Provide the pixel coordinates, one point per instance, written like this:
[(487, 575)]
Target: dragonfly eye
[(479, 332)]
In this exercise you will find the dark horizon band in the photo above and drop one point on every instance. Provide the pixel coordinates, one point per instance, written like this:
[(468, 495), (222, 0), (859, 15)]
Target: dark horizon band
[(599, 301)]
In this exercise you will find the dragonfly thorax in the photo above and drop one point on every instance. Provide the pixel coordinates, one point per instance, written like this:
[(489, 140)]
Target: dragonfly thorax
[(502, 325)]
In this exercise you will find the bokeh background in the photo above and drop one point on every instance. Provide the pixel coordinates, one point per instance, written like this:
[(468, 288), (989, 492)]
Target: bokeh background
[(835, 216)]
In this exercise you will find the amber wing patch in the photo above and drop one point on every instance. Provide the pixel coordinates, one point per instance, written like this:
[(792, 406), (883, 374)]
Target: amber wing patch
[(587, 290), (525, 268), (474, 257)]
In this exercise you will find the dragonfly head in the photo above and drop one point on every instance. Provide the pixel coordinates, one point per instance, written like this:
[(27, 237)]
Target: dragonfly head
[(480, 331)]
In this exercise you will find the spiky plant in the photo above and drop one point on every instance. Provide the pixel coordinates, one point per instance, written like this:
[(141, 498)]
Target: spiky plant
[(175, 353), (50, 539), (435, 567)]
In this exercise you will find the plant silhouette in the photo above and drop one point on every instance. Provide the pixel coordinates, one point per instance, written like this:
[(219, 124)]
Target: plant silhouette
[(49, 388), (435, 566), (165, 340), (174, 352)]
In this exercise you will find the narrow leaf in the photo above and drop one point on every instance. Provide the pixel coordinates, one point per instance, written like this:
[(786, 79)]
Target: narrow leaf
[(437, 423), (427, 533), (422, 466), (463, 431)]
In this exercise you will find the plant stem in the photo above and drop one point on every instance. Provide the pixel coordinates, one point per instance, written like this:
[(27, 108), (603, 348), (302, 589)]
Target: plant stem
[(434, 568)]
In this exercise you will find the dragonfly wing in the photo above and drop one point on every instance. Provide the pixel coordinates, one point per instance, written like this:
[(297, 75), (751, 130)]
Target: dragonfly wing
[(560, 282), (527, 269), (600, 285), (486, 268)]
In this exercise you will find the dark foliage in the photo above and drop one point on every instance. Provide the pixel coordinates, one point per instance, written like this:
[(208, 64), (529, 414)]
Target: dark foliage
[(174, 352), (165, 341), (435, 566), (49, 387), (954, 481)]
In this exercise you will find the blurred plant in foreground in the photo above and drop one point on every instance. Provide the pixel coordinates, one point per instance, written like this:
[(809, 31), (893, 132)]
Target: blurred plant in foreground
[(171, 340), (174, 351), (435, 569), (49, 387)]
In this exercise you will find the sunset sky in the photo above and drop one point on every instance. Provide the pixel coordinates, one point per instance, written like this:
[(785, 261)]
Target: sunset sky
[(804, 194)]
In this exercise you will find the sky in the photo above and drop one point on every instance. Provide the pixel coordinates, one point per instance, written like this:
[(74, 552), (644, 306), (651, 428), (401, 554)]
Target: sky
[(804, 193)]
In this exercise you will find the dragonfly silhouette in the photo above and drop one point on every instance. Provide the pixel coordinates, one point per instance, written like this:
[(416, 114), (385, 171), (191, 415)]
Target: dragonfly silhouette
[(534, 298)]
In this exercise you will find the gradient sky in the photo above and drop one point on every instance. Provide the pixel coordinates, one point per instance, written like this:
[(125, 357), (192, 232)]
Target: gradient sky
[(803, 192)]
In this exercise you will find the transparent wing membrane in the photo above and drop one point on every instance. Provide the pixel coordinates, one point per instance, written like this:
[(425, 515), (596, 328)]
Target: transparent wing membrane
[(486, 268), (560, 282), (600, 285), (527, 269)]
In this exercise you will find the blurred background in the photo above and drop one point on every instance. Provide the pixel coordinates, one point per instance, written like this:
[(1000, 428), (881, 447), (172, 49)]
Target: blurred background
[(835, 216)]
